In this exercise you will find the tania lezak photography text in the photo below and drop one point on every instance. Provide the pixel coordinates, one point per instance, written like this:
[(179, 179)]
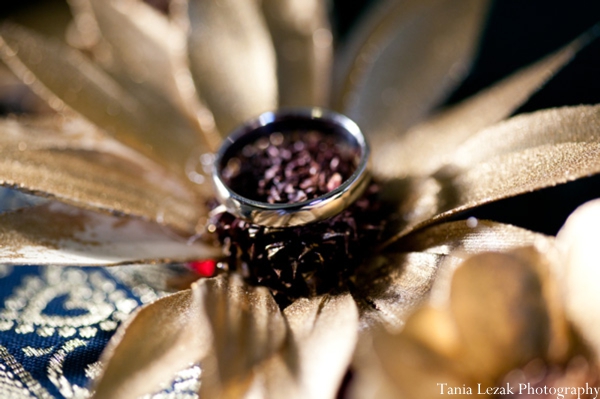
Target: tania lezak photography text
[(511, 389)]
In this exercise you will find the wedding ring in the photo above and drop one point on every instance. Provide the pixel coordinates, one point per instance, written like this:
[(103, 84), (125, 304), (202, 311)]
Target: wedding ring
[(346, 138)]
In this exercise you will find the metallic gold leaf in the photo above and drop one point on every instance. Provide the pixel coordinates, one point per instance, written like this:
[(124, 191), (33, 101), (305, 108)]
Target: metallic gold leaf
[(143, 42), (543, 257), (73, 162), (425, 147), (323, 334), (147, 55), (409, 368), (232, 60), (58, 234), (497, 303), (247, 328), (495, 318), (579, 271), (469, 237), (391, 286), (411, 56), (64, 76), (161, 339), (303, 42), (526, 153)]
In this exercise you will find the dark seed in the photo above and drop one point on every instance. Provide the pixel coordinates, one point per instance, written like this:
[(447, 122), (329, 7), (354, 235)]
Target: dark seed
[(298, 160), (306, 260)]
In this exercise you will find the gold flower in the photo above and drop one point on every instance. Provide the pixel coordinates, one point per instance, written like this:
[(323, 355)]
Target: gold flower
[(141, 107)]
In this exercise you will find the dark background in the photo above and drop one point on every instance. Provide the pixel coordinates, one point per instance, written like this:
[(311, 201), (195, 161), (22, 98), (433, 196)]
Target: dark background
[(517, 33)]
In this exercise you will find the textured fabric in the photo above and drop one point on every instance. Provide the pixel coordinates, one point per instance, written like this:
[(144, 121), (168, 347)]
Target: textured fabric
[(54, 323)]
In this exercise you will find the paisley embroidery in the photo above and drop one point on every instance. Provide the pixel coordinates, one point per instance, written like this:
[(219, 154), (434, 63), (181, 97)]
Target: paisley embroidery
[(88, 299), (55, 321)]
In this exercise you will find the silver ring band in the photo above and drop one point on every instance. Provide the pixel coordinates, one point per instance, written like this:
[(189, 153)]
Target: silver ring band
[(297, 213)]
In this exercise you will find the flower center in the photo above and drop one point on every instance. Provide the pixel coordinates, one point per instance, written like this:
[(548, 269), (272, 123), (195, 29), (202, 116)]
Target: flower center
[(299, 261)]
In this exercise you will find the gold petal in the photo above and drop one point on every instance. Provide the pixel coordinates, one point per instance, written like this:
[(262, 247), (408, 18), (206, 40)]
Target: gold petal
[(303, 44), (232, 60), (469, 237), (71, 161), (413, 54), (543, 257), (143, 43), (318, 352), (411, 369), (64, 76), (579, 271), (247, 328), (58, 234), (496, 318), (391, 286), (497, 302), (526, 153), (160, 340), (424, 148), (147, 54)]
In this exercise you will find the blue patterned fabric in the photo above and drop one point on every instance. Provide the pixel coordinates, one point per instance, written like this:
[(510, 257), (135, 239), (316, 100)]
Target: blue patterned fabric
[(54, 324)]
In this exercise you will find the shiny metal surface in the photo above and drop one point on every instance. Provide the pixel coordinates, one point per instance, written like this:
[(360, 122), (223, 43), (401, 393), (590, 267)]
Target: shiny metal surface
[(299, 213)]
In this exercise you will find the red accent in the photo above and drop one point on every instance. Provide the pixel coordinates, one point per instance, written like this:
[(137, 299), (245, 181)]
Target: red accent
[(205, 268)]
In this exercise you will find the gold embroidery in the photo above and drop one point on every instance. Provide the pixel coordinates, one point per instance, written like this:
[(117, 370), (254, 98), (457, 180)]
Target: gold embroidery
[(56, 374), (99, 305), (185, 385), (93, 370), (37, 352), (18, 377), (10, 387), (93, 294)]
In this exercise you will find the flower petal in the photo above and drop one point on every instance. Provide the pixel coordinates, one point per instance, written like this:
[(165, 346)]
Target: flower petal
[(58, 234), (580, 271), (424, 148), (160, 340), (64, 76), (147, 54), (469, 237), (496, 319), (395, 283), (303, 42), (232, 60), (412, 55), (401, 365), (498, 305), (73, 162), (247, 328), (318, 352), (526, 153), (142, 43)]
